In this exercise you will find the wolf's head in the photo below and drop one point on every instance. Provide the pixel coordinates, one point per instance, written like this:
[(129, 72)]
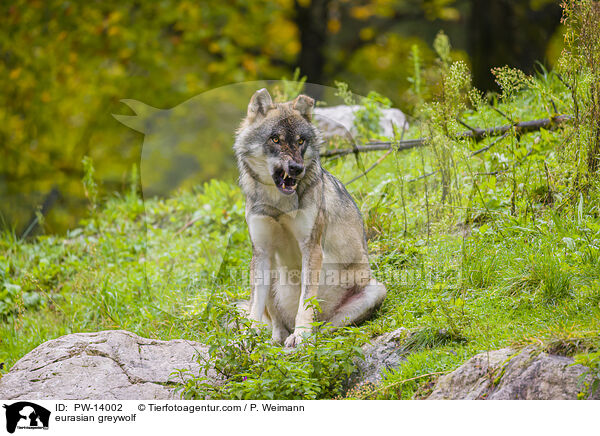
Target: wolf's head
[(276, 143)]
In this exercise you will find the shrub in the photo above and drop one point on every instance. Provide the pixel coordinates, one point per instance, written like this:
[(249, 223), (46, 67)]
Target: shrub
[(253, 368)]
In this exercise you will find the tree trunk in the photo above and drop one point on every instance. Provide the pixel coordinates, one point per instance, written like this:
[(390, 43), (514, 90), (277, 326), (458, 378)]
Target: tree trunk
[(508, 32), (312, 24)]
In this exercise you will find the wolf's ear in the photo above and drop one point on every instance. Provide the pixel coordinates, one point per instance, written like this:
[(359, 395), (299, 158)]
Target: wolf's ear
[(304, 104), (259, 103)]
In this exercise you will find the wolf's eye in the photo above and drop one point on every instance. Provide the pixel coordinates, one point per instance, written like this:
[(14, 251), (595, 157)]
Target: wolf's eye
[(300, 141), (275, 139)]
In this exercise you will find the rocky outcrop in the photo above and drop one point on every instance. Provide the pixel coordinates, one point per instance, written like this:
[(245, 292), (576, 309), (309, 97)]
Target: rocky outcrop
[(505, 374), (339, 121), (113, 364), (508, 374), (382, 353)]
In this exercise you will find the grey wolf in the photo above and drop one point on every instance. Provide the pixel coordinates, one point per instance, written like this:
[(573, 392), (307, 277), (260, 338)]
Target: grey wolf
[(308, 239)]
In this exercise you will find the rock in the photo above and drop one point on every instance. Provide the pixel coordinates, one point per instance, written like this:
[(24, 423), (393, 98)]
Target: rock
[(112, 364), (382, 353), (339, 121), (508, 374)]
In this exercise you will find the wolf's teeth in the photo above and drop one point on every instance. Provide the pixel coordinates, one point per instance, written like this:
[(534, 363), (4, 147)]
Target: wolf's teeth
[(285, 174), (294, 187)]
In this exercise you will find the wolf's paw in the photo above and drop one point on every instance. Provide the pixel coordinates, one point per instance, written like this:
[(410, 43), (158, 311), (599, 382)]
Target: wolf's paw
[(279, 336), (294, 340)]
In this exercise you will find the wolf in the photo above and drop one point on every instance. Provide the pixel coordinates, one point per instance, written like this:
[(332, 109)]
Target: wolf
[(307, 234)]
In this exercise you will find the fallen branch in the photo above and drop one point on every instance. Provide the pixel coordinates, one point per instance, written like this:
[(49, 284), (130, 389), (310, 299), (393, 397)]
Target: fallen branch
[(376, 146), (487, 147), (475, 153), (378, 160), (474, 133)]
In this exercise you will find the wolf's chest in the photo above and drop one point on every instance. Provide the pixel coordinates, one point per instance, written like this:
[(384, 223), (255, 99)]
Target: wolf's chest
[(297, 224)]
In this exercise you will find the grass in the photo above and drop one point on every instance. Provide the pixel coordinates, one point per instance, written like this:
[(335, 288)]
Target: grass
[(496, 264)]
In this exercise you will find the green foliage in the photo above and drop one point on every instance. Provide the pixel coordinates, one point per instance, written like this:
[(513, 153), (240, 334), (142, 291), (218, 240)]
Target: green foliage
[(89, 184), (343, 91), (290, 88), (592, 361), (252, 368), (441, 45), (9, 298), (416, 79), (479, 265), (488, 234), (579, 64), (543, 272), (367, 117), (429, 337), (440, 115), (511, 81)]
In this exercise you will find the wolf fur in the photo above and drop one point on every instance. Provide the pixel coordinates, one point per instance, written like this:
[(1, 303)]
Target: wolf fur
[(303, 224)]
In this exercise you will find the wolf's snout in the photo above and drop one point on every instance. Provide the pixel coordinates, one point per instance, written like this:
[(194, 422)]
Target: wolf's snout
[(295, 169)]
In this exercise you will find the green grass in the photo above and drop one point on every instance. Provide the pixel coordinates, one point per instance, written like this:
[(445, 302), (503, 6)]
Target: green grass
[(494, 265)]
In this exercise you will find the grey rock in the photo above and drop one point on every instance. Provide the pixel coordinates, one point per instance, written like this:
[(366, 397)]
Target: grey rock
[(339, 121), (382, 353), (112, 364), (508, 374)]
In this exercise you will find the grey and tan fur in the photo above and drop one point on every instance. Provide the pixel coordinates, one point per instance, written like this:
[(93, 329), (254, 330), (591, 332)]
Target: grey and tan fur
[(300, 219)]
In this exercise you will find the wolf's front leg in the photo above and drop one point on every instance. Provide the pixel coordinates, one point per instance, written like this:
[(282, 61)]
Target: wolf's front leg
[(260, 276), (262, 233), (312, 260)]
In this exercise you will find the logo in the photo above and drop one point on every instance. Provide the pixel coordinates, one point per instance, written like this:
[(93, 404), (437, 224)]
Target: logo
[(26, 415)]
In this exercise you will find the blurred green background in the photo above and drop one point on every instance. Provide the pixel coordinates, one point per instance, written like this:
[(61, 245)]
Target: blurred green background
[(65, 66)]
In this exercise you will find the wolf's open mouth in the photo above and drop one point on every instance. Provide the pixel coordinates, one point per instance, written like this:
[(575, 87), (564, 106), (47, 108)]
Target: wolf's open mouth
[(285, 182)]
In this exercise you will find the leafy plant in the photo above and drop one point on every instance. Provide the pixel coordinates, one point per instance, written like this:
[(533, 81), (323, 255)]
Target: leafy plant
[(415, 79), (343, 91), (580, 66), (591, 361), (89, 183), (10, 297), (289, 88), (250, 367), (368, 116)]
